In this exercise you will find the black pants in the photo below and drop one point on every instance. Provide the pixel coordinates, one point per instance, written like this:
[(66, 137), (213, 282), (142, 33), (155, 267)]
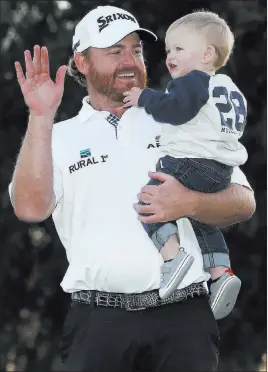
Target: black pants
[(202, 175), (174, 338)]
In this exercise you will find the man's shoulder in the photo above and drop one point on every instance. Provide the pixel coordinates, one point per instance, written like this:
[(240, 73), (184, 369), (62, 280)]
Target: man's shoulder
[(67, 124), (66, 128)]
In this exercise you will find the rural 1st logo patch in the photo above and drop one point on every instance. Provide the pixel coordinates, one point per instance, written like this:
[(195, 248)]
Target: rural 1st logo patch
[(87, 160)]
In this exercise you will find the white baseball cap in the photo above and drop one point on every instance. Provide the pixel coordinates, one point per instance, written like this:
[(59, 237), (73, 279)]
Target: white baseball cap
[(104, 26)]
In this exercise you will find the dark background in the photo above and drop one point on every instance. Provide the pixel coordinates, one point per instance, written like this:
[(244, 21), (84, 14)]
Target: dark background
[(32, 260)]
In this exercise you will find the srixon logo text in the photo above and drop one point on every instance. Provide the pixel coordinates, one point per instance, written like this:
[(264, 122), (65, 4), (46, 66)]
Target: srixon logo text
[(105, 21), (85, 163)]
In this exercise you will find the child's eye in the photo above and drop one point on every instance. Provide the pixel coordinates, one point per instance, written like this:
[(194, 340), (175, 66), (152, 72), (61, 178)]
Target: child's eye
[(167, 51), (178, 49)]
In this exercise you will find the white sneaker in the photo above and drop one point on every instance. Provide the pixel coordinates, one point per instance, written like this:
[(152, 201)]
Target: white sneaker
[(223, 294), (173, 272)]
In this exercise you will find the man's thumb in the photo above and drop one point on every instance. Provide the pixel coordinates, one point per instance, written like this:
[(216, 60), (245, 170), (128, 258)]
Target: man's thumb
[(60, 76)]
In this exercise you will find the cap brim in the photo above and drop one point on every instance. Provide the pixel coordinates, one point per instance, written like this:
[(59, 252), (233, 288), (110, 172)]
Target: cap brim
[(146, 35)]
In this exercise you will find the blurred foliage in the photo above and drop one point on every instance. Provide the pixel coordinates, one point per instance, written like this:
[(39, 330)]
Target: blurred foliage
[(33, 261)]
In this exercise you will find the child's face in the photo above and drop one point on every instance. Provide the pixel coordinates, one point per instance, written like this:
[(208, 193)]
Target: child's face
[(185, 49)]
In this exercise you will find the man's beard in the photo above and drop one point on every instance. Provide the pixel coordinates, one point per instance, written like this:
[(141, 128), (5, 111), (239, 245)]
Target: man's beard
[(105, 84)]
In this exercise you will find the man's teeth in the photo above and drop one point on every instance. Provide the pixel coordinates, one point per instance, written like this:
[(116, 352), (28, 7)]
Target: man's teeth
[(127, 75)]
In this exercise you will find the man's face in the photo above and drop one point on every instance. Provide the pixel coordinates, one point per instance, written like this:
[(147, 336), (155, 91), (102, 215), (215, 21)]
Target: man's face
[(185, 50), (116, 69)]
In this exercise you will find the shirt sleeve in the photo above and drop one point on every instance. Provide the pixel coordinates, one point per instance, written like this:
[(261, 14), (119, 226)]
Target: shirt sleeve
[(239, 177), (185, 97)]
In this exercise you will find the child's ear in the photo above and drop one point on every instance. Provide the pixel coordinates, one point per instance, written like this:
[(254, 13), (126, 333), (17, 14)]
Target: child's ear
[(210, 54)]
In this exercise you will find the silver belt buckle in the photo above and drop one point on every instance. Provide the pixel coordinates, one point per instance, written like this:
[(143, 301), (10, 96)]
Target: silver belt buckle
[(129, 308)]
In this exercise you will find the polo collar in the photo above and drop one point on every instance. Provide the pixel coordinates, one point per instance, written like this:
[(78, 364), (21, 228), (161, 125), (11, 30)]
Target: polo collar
[(86, 110)]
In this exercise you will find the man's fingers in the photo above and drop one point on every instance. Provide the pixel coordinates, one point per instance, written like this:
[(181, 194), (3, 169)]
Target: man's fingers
[(160, 176), (126, 99), (145, 198), (19, 72), (29, 64), (126, 93), (143, 209), (60, 76), (44, 61), (149, 189), (37, 59)]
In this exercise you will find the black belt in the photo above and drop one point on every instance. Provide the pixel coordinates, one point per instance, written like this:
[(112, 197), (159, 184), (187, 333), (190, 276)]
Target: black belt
[(137, 301)]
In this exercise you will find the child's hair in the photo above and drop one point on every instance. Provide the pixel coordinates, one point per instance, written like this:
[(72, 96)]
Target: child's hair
[(216, 30)]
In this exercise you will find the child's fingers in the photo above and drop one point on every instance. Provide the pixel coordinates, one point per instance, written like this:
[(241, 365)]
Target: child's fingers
[(128, 104)]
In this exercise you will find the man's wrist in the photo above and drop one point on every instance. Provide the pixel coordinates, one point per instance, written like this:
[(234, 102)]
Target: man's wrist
[(191, 203), (46, 115), (195, 199)]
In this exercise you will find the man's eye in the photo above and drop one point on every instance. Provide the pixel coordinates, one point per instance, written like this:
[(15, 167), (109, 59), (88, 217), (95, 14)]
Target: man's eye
[(138, 51), (116, 52)]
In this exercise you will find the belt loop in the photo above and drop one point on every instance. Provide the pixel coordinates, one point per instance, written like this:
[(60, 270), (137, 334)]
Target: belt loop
[(92, 298)]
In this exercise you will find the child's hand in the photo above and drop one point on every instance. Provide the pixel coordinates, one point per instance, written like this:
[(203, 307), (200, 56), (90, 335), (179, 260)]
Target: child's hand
[(132, 97)]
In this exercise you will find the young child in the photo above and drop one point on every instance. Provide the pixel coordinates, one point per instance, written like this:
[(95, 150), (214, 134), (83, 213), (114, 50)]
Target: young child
[(203, 117)]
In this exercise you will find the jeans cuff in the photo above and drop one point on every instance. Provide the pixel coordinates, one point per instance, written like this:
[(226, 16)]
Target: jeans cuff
[(216, 259), (162, 235)]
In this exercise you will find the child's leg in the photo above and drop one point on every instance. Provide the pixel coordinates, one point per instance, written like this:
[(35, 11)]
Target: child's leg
[(213, 247), (165, 236), (225, 286), (171, 248)]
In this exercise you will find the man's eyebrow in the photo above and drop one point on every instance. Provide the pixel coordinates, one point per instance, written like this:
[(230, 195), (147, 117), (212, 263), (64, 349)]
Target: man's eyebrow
[(121, 46)]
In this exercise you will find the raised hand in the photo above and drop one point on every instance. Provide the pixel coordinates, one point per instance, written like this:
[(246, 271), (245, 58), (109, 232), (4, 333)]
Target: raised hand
[(40, 93)]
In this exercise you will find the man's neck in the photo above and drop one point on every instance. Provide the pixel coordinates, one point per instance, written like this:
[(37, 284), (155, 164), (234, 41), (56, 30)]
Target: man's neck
[(101, 103)]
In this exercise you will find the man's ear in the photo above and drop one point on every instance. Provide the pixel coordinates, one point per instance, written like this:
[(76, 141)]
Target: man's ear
[(81, 62), (210, 54)]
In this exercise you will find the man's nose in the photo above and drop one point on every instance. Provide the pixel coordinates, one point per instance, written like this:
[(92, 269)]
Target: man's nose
[(129, 58)]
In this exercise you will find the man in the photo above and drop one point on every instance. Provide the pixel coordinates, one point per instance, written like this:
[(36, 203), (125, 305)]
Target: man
[(86, 171)]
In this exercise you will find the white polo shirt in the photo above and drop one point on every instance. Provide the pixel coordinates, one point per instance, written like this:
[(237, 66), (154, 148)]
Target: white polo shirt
[(96, 180)]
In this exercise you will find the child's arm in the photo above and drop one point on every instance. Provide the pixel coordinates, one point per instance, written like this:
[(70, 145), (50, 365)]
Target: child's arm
[(186, 96)]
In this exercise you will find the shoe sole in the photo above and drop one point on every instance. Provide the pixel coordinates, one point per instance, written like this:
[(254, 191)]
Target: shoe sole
[(176, 278), (226, 297)]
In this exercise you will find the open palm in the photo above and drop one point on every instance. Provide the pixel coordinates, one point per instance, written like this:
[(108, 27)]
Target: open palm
[(40, 93)]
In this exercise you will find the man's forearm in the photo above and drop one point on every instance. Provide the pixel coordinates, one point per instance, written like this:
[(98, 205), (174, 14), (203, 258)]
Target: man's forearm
[(227, 207), (32, 184)]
